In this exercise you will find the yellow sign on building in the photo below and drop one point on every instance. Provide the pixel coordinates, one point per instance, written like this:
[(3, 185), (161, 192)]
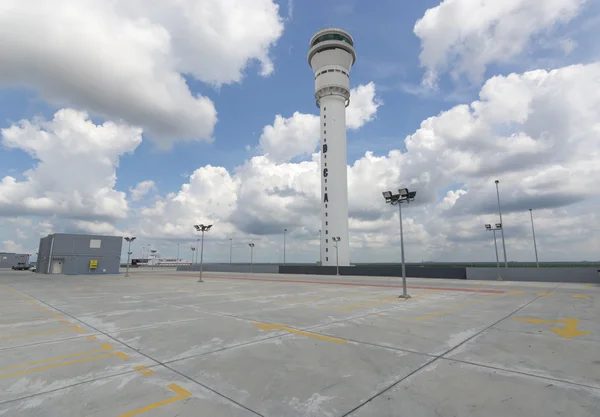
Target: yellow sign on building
[(93, 263)]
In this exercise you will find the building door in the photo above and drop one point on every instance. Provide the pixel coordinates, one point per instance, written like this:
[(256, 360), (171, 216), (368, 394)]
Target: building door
[(57, 266)]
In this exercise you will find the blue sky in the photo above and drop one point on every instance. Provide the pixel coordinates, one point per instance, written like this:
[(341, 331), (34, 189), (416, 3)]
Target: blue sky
[(388, 56)]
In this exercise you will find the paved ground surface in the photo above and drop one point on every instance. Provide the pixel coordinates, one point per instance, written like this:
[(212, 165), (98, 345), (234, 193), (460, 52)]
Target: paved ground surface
[(161, 344)]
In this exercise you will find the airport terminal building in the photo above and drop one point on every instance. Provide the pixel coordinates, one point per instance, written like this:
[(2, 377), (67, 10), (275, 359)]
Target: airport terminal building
[(74, 254)]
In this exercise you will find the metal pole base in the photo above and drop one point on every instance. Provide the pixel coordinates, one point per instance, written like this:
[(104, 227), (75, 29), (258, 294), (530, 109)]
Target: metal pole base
[(126, 276), (200, 280), (404, 296)]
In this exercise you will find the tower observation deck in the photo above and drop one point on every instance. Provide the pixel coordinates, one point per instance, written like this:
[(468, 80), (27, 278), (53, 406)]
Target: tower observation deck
[(331, 56)]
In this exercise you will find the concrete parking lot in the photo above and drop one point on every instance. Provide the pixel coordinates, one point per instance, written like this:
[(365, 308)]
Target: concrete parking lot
[(161, 344)]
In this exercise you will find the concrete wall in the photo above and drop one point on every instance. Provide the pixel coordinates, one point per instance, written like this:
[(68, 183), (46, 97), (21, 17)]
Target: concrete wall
[(8, 260), (380, 271), (75, 252), (578, 275), (256, 268)]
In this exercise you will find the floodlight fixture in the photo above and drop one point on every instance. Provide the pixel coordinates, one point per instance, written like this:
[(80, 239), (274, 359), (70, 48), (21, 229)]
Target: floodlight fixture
[(403, 192), (498, 225), (488, 226), (251, 255), (387, 194)]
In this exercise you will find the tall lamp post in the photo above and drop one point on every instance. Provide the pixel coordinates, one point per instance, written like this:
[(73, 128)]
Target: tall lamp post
[(230, 249), (192, 262), (284, 232), (129, 252), (502, 223), (537, 262), (403, 196), (337, 263), (177, 258), (251, 254), (202, 228), (488, 227)]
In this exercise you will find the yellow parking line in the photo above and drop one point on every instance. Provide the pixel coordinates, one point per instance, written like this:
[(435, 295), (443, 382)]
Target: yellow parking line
[(122, 355), (181, 395), (515, 292), (546, 294), (448, 310), (144, 370), (78, 329), (586, 297), (105, 347), (58, 365), (91, 337)]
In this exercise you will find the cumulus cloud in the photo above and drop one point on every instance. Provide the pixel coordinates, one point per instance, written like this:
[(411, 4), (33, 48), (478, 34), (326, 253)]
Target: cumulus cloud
[(142, 189), (76, 170), (536, 132), (123, 60), (465, 36), (299, 135), (11, 246)]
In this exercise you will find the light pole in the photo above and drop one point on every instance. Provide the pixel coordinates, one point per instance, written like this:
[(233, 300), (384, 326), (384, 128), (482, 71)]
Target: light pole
[(202, 228), (502, 228), (154, 257), (320, 248), (403, 196), (192, 262), (284, 232), (537, 262), (251, 254), (197, 244), (337, 263), (230, 249), (498, 227), (129, 252), (177, 258)]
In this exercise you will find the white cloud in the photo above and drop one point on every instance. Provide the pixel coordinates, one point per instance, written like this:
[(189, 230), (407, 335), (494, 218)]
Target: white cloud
[(11, 246), (76, 172), (123, 59), (142, 189), (465, 36), (537, 132), (299, 134)]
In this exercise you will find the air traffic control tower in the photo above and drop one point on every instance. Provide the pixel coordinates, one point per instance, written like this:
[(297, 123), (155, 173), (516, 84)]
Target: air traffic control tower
[(331, 56)]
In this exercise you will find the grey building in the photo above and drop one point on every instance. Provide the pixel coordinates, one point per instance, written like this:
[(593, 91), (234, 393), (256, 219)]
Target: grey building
[(73, 254), (8, 260)]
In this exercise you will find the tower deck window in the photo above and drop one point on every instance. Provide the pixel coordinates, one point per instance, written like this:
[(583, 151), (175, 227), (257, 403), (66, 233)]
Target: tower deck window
[(332, 37)]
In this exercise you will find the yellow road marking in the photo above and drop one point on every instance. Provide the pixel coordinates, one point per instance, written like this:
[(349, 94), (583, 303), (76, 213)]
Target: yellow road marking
[(105, 347), (515, 292), (448, 310), (143, 370), (58, 365), (91, 337), (267, 327), (77, 329), (57, 316), (585, 297), (65, 321), (568, 332), (546, 294), (181, 395), (122, 355)]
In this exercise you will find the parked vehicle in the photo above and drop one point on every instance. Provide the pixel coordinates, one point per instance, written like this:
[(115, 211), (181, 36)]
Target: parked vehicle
[(21, 266), (33, 268)]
